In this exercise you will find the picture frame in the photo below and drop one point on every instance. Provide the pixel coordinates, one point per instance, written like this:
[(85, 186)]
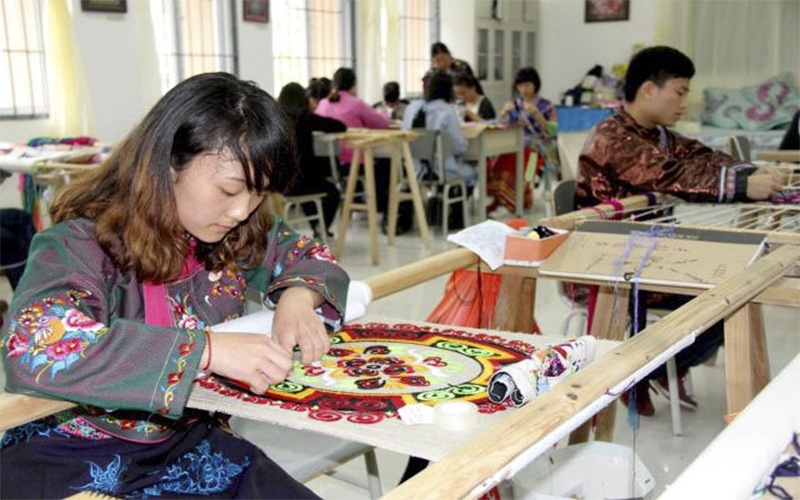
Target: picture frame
[(119, 6), (256, 10), (599, 11)]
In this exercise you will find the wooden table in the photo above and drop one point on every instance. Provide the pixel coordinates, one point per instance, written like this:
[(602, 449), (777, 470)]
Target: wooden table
[(365, 143), (486, 141)]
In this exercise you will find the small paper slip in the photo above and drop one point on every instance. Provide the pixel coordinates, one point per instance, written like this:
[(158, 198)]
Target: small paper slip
[(487, 239), (417, 414)]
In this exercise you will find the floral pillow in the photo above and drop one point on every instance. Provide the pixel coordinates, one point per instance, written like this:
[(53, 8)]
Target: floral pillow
[(725, 108), (777, 90)]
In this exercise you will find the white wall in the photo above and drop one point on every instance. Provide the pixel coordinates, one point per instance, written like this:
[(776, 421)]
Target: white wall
[(255, 52), (567, 47)]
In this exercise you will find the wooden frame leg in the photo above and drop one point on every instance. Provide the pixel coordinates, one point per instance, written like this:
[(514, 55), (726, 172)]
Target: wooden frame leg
[(347, 207), (372, 209), (746, 360), (416, 195), (610, 321), (515, 302), (394, 195)]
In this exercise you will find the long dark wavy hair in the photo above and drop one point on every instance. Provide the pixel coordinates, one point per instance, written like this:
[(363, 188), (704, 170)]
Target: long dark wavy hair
[(131, 198)]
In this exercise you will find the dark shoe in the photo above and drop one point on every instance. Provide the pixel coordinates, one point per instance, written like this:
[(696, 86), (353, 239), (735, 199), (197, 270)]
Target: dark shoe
[(644, 405), (661, 386), (405, 219), (455, 220)]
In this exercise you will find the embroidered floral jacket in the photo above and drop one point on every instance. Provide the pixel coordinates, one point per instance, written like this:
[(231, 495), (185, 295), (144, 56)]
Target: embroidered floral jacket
[(77, 328), (621, 158)]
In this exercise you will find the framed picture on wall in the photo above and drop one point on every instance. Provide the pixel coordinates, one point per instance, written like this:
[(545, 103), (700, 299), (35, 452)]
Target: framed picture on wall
[(256, 10), (104, 5), (598, 11)]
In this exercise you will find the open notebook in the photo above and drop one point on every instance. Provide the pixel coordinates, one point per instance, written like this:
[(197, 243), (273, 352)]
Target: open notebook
[(655, 254)]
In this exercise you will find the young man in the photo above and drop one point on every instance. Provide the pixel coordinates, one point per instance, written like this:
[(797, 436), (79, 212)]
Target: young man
[(633, 152)]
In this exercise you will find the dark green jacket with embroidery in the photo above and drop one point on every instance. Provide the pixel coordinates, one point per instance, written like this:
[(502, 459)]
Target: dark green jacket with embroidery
[(77, 329)]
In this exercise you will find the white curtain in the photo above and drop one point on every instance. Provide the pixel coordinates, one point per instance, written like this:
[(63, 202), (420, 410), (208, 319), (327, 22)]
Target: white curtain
[(733, 43), (70, 108), (378, 46)]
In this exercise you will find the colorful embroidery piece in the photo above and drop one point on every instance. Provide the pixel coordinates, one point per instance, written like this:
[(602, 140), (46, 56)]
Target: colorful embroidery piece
[(375, 369), (51, 334)]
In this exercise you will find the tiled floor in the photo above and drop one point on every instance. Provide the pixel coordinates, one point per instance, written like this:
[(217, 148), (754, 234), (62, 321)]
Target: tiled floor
[(664, 454)]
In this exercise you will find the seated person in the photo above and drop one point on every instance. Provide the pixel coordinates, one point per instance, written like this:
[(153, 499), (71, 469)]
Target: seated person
[(317, 90), (791, 141), (476, 106), (633, 152), (391, 105), (314, 171), (16, 233), (435, 112), (444, 62)]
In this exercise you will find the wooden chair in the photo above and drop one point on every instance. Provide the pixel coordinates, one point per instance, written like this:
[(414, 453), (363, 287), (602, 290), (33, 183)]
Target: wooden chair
[(739, 147), (563, 201), (433, 147), (326, 146), (292, 212)]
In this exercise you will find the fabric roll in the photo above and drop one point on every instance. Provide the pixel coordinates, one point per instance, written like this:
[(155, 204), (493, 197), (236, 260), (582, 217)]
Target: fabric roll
[(359, 296), (522, 381)]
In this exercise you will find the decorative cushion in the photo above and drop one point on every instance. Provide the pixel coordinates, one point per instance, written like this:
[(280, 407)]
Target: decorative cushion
[(763, 116), (725, 108), (768, 105), (776, 90)]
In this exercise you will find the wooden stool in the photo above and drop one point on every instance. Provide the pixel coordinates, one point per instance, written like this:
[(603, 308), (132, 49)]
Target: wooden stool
[(364, 143), (296, 202)]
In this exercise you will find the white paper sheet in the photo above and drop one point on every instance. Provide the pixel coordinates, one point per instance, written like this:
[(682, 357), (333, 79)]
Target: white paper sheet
[(487, 239)]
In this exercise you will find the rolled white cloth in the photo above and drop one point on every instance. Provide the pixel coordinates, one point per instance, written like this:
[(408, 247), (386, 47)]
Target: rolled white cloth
[(526, 379), (359, 296)]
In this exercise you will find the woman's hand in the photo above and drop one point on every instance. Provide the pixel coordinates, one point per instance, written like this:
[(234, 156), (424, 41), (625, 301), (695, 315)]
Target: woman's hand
[(471, 117), (296, 323), (531, 109), (507, 108), (249, 357)]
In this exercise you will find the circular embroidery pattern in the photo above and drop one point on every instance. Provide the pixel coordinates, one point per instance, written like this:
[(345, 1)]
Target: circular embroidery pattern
[(374, 369)]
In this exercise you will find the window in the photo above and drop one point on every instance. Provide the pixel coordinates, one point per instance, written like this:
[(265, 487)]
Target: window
[(499, 54), (23, 80), (196, 36), (483, 54), (311, 38), (529, 55), (516, 51), (419, 23)]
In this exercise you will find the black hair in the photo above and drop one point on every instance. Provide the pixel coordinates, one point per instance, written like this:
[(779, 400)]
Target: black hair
[(465, 80), (657, 65), (391, 92), (319, 88), (439, 86), (343, 80), (292, 101), (131, 196), (528, 74), (439, 48)]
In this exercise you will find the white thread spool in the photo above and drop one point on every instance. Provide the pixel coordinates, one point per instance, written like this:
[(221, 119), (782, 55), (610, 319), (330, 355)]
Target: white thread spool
[(456, 415)]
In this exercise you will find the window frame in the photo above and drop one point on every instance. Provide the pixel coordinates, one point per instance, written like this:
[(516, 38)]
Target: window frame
[(35, 110), (171, 55)]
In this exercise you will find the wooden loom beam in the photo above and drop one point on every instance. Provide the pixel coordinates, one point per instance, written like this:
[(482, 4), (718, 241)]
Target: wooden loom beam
[(571, 219), (488, 458)]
